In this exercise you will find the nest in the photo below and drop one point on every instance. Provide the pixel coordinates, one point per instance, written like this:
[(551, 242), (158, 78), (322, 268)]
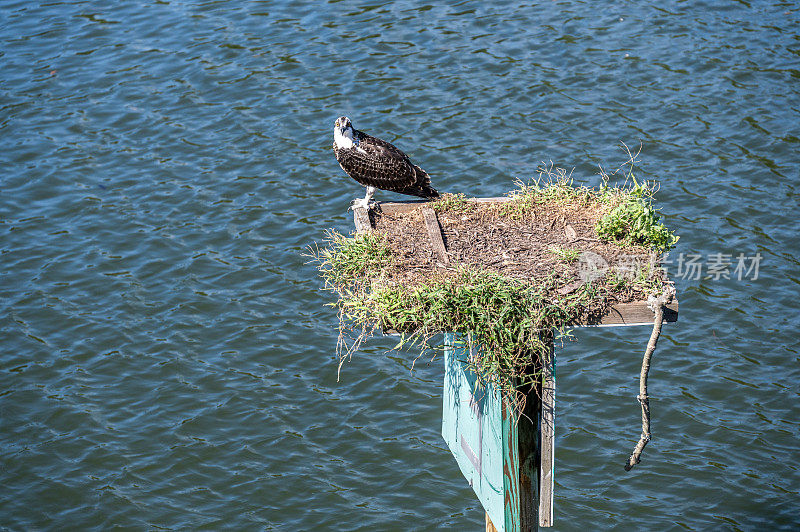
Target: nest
[(503, 272), (554, 245)]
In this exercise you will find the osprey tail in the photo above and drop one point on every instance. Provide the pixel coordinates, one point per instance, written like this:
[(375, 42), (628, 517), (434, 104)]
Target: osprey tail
[(423, 192), (422, 187)]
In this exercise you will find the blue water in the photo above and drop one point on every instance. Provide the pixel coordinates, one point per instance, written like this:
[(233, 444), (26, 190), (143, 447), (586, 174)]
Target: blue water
[(167, 356)]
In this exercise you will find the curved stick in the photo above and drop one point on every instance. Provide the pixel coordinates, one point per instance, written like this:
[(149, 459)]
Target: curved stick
[(656, 304)]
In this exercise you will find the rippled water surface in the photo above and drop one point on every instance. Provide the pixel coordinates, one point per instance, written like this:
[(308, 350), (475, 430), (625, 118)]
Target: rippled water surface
[(167, 356)]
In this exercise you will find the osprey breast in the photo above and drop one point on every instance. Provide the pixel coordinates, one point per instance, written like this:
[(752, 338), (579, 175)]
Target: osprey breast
[(343, 140)]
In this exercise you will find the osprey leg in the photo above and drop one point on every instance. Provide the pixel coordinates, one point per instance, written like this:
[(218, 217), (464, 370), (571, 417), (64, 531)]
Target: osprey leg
[(365, 203)]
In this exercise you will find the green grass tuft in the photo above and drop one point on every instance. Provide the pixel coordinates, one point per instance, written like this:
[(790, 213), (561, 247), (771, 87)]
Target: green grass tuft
[(566, 254), (452, 203), (552, 186), (506, 318), (349, 260)]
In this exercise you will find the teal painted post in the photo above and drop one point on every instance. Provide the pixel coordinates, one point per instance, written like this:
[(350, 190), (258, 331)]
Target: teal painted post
[(472, 426), (528, 432), (496, 452)]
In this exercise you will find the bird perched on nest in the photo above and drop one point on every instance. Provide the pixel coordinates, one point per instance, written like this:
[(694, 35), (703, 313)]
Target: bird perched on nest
[(377, 164)]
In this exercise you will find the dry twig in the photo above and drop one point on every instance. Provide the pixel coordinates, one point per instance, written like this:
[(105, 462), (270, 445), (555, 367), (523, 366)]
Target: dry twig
[(656, 304)]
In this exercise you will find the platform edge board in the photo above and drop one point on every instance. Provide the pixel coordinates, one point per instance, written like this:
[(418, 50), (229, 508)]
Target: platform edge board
[(620, 315), (395, 207), (629, 314)]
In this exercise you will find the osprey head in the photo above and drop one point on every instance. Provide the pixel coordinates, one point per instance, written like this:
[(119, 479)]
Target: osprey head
[(343, 132), (343, 123)]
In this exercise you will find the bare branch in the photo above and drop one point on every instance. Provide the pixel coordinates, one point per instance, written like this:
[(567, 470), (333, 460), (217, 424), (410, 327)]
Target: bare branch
[(657, 305)]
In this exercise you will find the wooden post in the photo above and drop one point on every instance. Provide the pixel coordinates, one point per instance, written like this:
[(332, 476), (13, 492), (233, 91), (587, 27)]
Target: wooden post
[(361, 219), (528, 450), (489, 525), (495, 447), (547, 430)]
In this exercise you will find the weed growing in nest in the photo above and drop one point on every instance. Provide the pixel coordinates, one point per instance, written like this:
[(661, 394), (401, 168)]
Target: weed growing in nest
[(639, 279), (633, 220), (553, 185), (630, 219), (351, 260), (452, 203), (566, 255)]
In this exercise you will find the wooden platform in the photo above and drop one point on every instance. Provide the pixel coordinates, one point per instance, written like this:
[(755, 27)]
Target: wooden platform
[(635, 313)]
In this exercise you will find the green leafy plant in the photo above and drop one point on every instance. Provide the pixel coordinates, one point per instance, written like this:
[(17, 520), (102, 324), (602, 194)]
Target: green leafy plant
[(634, 221)]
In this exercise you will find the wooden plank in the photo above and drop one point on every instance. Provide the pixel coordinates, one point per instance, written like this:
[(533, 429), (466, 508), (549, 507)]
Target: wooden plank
[(635, 313), (361, 220), (547, 445), (435, 234), (476, 432), (495, 447)]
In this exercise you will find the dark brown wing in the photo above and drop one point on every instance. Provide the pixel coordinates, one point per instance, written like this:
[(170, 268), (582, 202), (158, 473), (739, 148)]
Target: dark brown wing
[(377, 163)]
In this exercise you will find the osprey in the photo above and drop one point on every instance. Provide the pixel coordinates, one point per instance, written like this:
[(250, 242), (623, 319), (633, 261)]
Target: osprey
[(377, 164)]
